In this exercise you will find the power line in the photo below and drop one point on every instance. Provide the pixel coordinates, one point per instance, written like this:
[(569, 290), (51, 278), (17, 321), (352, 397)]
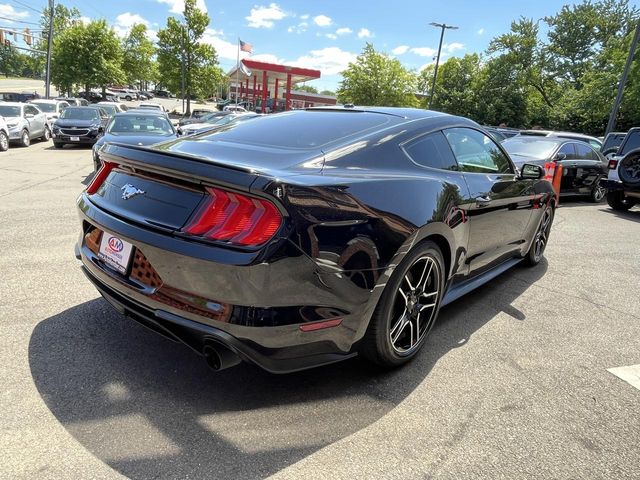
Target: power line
[(26, 6), (18, 21)]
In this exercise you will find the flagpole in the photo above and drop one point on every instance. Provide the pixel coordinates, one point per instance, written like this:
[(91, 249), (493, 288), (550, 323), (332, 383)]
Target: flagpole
[(237, 71)]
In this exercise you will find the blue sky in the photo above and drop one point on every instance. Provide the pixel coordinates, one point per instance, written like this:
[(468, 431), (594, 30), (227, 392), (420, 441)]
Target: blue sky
[(324, 35)]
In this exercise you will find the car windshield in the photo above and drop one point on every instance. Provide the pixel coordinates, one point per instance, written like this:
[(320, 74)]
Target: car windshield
[(537, 150), (9, 111), (80, 114), (150, 107), (139, 125), (110, 109), (46, 107)]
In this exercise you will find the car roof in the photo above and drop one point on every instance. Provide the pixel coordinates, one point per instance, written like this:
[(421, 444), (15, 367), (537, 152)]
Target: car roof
[(408, 113), (536, 138), (44, 100), (13, 104), (141, 113)]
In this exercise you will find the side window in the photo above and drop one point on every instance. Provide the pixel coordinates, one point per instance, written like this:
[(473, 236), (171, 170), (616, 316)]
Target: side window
[(476, 152), (569, 150), (31, 110), (431, 150), (586, 152)]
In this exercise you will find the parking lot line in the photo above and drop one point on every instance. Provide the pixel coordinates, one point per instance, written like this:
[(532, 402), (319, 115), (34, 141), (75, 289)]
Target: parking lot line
[(630, 374)]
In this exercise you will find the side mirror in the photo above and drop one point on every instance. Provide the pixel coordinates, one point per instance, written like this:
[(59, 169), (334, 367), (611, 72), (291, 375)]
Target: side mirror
[(179, 132), (558, 157), (531, 172)]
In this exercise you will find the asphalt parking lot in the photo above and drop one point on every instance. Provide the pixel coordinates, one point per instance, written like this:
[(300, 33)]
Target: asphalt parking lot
[(513, 382)]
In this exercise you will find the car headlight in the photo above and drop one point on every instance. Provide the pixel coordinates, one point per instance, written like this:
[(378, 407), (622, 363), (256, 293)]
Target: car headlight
[(12, 124)]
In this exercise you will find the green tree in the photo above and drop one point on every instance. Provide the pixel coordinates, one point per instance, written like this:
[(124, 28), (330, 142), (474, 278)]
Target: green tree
[(377, 79), (88, 55), (180, 43), (137, 59), (454, 92), (307, 88), (330, 93)]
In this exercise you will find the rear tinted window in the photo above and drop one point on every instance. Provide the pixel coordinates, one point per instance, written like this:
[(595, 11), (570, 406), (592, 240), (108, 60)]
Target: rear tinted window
[(432, 151), (304, 129), (631, 142)]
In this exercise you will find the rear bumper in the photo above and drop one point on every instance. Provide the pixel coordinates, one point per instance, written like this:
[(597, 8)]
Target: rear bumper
[(267, 305)]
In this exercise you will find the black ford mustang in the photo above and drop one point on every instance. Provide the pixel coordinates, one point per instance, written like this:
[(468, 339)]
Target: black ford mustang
[(307, 237)]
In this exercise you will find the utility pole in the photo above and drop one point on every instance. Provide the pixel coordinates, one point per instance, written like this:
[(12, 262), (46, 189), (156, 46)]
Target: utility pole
[(47, 85), (183, 72), (444, 27), (623, 80)]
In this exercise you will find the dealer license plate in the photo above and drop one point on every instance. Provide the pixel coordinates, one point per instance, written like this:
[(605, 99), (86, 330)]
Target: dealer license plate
[(115, 252), (75, 139)]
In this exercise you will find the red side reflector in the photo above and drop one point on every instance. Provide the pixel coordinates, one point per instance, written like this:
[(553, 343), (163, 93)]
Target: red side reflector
[(235, 218), (100, 176), (311, 327), (613, 164)]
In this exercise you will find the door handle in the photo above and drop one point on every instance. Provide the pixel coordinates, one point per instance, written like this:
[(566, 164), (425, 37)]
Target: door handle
[(483, 201)]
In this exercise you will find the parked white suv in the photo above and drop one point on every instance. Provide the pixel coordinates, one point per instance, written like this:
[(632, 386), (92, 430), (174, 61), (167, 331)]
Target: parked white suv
[(4, 135), (623, 181), (52, 108), (25, 122)]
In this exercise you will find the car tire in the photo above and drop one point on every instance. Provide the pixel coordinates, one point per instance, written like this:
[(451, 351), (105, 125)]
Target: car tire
[(598, 194), (618, 201), (541, 238), (58, 144), (4, 141), (128, 98), (407, 308), (629, 169), (25, 139), (46, 136)]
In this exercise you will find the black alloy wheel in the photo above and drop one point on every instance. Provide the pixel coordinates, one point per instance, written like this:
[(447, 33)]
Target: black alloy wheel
[(598, 193), (407, 309), (541, 238)]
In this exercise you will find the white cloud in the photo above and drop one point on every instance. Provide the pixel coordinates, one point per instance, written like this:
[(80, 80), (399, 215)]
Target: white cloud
[(305, 16), (332, 36), (225, 50), (400, 50), (11, 13), (268, 57), (265, 17), (452, 47), (344, 31), (364, 33), (177, 6), (481, 31), (322, 20), (126, 20), (330, 60), (424, 51), (300, 28), (85, 20)]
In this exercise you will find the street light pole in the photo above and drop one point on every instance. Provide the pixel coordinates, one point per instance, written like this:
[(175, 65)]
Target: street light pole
[(623, 80), (444, 27), (47, 83)]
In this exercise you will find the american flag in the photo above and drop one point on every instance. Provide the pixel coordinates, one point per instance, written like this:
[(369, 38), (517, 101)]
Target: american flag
[(246, 47)]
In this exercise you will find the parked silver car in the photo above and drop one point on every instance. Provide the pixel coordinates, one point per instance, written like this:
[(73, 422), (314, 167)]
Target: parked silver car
[(4, 135), (26, 122)]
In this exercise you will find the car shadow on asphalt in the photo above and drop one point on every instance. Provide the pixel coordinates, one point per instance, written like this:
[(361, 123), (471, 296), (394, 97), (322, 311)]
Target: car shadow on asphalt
[(150, 408), (633, 214)]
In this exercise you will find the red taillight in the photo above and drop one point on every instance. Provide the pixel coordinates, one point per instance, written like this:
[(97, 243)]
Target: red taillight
[(100, 176), (613, 164), (235, 218)]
